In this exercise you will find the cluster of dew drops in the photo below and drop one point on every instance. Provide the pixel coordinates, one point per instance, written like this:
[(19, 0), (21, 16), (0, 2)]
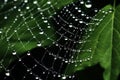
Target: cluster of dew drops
[(87, 4)]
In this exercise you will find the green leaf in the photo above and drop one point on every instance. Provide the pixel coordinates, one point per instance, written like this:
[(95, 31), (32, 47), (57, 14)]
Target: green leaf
[(24, 25), (102, 46)]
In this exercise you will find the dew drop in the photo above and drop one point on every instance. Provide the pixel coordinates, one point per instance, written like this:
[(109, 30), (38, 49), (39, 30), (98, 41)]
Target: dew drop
[(81, 21), (41, 32), (110, 11), (25, 1), (7, 74), (0, 67), (79, 11), (36, 77), (66, 39), (27, 7), (76, 65), (28, 54), (14, 53), (5, 1), (76, 8), (39, 44), (35, 2), (48, 27), (31, 73), (82, 2), (14, 7), (88, 4), (88, 58), (96, 10), (73, 17), (45, 21), (59, 75), (76, 19), (70, 76), (48, 2), (38, 9), (43, 72), (82, 14), (64, 77), (19, 60), (66, 61), (90, 29), (0, 31), (70, 25), (28, 70), (5, 17), (19, 9), (15, 30), (80, 61)]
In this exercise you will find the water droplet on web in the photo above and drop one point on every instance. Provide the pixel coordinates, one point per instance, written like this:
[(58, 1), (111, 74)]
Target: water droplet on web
[(38, 8), (70, 25), (39, 44), (41, 32), (80, 61), (45, 21), (76, 19), (55, 58), (15, 30), (64, 77), (27, 7), (7, 74), (35, 2), (1, 67), (79, 11), (82, 14), (66, 61), (5, 1), (82, 2), (66, 39), (76, 8), (70, 76), (88, 58), (0, 31), (110, 11), (5, 17), (54, 75), (90, 29), (28, 70), (48, 38), (96, 10), (43, 72), (25, 1), (28, 54), (19, 11), (88, 4), (48, 2), (80, 21), (14, 53), (36, 77), (59, 75), (19, 60), (48, 27), (31, 73)]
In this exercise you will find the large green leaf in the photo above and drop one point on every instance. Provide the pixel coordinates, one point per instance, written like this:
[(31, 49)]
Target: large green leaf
[(24, 24), (102, 46)]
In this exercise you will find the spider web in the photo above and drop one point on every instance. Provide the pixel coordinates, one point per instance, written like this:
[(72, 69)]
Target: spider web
[(44, 62)]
